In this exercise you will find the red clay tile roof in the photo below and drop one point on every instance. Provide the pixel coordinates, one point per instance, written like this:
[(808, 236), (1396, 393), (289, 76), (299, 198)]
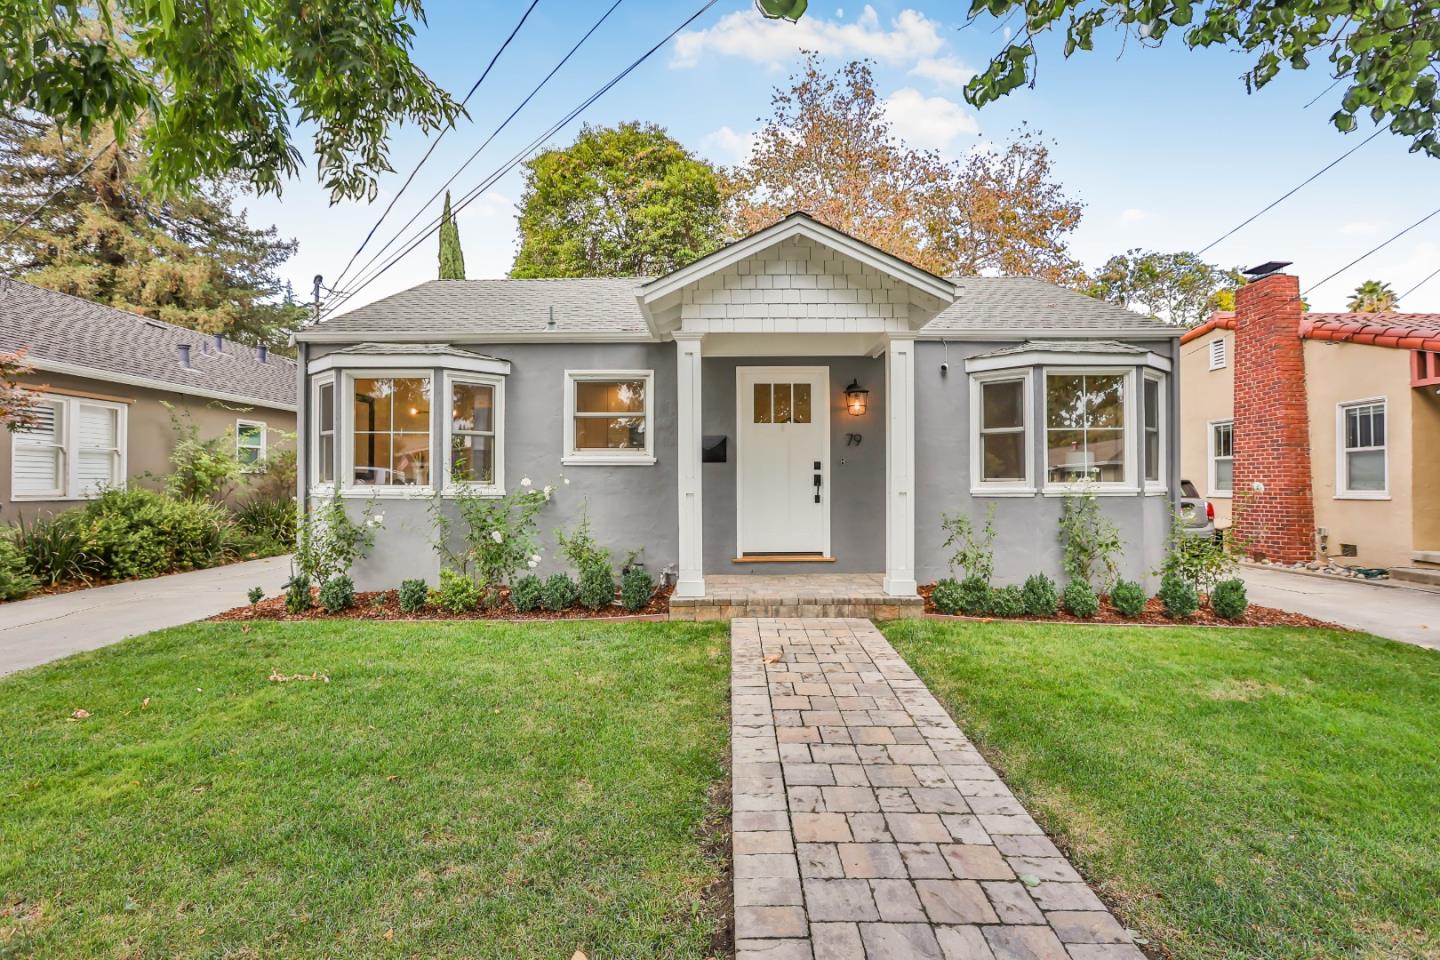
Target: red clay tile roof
[(1223, 319), (1405, 331)]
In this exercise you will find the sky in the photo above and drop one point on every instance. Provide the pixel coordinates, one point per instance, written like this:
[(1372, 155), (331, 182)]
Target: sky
[(1164, 147)]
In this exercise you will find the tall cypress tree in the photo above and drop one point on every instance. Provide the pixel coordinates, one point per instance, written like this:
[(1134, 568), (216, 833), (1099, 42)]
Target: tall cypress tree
[(452, 258)]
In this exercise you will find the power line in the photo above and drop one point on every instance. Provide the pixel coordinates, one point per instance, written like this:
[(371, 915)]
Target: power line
[(436, 142), (1431, 276), (514, 160), (69, 182), (496, 132), (1292, 191), (1375, 249)]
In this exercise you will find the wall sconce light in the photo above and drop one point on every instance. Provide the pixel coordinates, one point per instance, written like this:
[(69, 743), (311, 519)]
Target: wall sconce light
[(857, 398)]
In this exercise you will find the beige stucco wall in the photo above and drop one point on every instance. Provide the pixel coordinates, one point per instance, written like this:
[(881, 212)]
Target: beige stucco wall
[(150, 437), (1205, 395), (1338, 373)]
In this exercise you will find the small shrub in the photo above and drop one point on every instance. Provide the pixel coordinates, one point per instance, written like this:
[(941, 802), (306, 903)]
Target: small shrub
[(1199, 561), (1079, 598), (946, 596), (1039, 596), (1228, 599), (597, 586), (527, 593), (974, 596), (337, 593), (413, 594), (15, 577), (1178, 596), (55, 549), (457, 593), (1007, 602), (974, 548), (272, 519), (559, 592), (581, 548), (1129, 598), (297, 595), (1091, 543), (256, 594), (636, 588), (378, 600)]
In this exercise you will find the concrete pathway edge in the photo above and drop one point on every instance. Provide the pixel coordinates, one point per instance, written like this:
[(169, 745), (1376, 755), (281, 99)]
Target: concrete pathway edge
[(866, 826)]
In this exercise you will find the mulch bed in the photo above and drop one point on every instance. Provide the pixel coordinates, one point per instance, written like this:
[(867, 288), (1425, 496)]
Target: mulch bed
[(1154, 615), (385, 605)]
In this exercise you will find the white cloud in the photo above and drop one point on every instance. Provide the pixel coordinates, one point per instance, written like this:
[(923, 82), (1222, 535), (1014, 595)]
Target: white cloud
[(911, 36), (728, 146), (946, 71), (928, 122), (1360, 228), (1134, 214)]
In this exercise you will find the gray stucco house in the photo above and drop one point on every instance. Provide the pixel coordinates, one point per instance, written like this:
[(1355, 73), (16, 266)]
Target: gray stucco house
[(704, 415)]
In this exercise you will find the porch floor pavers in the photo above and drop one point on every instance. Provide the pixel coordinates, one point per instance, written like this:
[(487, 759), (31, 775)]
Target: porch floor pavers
[(867, 826)]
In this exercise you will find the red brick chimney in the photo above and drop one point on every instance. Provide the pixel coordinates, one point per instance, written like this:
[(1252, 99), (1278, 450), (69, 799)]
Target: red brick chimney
[(1274, 509)]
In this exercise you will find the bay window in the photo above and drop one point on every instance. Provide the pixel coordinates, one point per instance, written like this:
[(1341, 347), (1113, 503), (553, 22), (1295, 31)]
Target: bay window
[(325, 431), (1000, 453), (74, 450), (476, 421), (1086, 428), (1361, 468), (390, 419), (608, 417), (1152, 436)]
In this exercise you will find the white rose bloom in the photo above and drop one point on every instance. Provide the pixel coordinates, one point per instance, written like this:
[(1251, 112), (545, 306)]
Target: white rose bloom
[(524, 481), (534, 564), (495, 535), (535, 559)]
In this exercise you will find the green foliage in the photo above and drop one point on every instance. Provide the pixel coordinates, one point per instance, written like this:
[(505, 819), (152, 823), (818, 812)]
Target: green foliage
[(621, 201), (1079, 598), (1373, 296), (1178, 287), (297, 595), (1129, 598), (54, 548), (337, 593), (329, 542), (1229, 600), (452, 258), (413, 594), (213, 93), (256, 594), (268, 522), (946, 596), (1090, 542), (140, 533), (1178, 596), (200, 469), (527, 593), (498, 535), (1039, 596), (1199, 561), (580, 547), (636, 588), (597, 586), (15, 577), (791, 10), (559, 592), (1007, 601), (457, 593), (974, 550), (973, 594)]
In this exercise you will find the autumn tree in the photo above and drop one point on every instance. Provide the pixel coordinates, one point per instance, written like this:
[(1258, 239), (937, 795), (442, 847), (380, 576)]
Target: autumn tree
[(452, 258), (828, 149), (17, 404), (1373, 296), (1180, 288), (193, 260), (620, 201)]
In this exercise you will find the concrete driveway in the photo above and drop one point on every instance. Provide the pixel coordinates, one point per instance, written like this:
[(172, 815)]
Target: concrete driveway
[(1409, 614), (42, 629)]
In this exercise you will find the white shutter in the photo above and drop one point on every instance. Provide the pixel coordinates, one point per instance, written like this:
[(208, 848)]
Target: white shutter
[(97, 441), (37, 464)]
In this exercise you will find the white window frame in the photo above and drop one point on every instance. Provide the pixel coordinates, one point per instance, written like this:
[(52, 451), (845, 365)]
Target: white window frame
[(1342, 452), (68, 446), (1127, 487), (345, 434), (259, 465), (1211, 490), (317, 485), (979, 486), (1219, 353), (1161, 485), (449, 380), (614, 458)]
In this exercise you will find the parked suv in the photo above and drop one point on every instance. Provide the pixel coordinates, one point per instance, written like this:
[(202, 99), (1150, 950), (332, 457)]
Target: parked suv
[(1196, 513)]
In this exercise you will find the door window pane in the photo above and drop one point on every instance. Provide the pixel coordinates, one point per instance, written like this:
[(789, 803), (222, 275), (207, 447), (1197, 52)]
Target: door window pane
[(782, 402), (762, 403), (802, 403)]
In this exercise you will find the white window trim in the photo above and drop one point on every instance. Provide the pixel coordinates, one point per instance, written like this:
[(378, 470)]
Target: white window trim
[(614, 458), (1210, 489), (1127, 487), (317, 486), (449, 379), (345, 436), (1218, 348), (69, 452), (1342, 492), (1155, 487), (980, 487), (259, 465)]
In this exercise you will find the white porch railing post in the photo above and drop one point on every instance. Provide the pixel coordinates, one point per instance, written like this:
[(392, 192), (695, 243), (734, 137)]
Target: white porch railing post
[(691, 582), (900, 466)]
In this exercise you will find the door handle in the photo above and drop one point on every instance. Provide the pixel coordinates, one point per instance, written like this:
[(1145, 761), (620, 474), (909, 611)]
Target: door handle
[(818, 481)]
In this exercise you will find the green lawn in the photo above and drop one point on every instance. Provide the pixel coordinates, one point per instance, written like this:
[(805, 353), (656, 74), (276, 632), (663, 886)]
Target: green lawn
[(460, 790), (1265, 793)]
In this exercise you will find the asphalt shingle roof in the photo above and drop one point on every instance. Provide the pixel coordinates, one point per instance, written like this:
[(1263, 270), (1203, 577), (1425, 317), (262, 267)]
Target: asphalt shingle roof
[(994, 304), (64, 329), (1064, 346)]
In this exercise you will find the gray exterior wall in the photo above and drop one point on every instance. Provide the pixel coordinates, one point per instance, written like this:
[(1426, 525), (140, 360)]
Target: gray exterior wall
[(630, 506)]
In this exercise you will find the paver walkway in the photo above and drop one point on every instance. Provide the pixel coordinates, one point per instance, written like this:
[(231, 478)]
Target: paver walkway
[(866, 825)]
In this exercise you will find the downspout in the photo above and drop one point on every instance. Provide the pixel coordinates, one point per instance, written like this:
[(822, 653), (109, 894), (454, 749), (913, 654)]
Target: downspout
[(302, 428)]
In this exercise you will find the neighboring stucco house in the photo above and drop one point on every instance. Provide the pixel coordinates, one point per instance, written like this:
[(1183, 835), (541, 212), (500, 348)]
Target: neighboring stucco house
[(1333, 415), (715, 416), (105, 376)]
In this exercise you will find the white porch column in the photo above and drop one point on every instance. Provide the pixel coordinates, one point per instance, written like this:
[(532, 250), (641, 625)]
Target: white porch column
[(691, 581), (900, 466)]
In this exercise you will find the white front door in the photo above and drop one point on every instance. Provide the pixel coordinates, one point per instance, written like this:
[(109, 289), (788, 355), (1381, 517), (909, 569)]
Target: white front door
[(783, 494)]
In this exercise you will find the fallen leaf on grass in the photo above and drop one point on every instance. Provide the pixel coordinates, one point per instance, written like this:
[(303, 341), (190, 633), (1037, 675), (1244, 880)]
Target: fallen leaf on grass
[(389, 934), (579, 955), (80, 715), (144, 703), (278, 677)]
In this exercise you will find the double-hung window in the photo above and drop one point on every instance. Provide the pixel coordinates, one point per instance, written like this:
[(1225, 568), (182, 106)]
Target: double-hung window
[(1000, 450), (1222, 458), (326, 414), (73, 450), (609, 417), (477, 415), (1361, 471), (1086, 428), (250, 445), (1152, 436), (390, 427)]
